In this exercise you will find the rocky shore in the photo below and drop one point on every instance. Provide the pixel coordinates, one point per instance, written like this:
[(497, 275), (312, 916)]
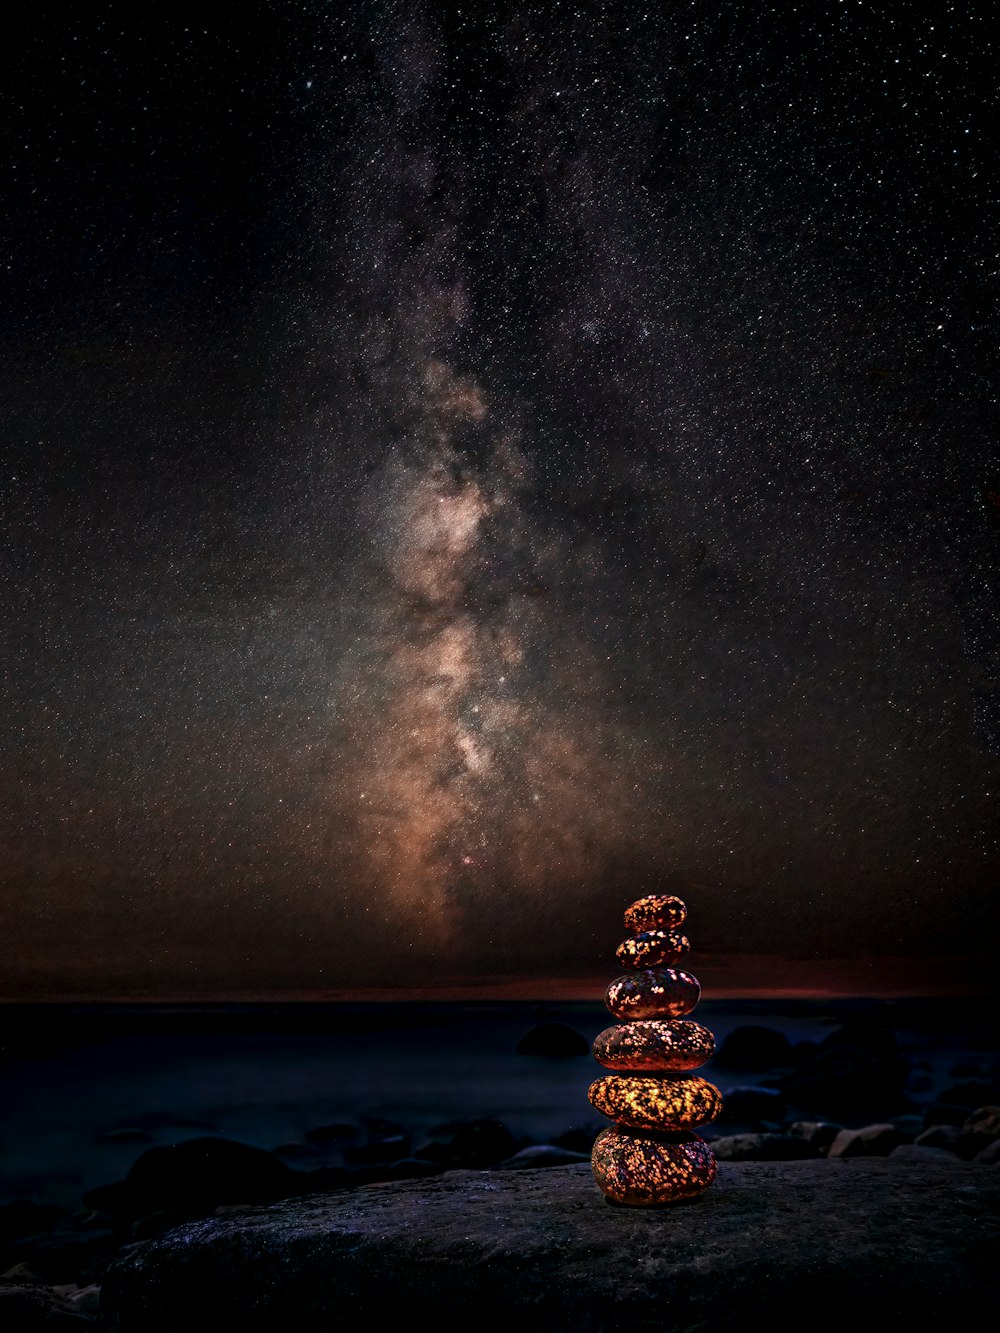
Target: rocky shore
[(812, 1130)]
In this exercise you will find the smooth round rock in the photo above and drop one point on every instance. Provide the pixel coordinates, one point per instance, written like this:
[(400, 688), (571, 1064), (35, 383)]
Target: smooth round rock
[(644, 1168), (653, 1045), (651, 948), (658, 911), (652, 1101), (660, 992)]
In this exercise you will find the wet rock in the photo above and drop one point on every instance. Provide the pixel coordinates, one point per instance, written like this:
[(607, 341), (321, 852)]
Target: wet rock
[(870, 1141), (553, 1039), (763, 1147), (754, 1047), (541, 1252)]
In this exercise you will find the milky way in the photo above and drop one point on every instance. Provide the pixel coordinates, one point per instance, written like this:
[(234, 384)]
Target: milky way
[(472, 465)]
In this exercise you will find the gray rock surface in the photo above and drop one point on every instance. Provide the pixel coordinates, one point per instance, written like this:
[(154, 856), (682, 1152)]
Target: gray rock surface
[(772, 1245)]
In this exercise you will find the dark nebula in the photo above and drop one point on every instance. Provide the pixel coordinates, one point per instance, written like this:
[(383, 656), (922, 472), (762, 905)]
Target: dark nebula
[(470, 465)]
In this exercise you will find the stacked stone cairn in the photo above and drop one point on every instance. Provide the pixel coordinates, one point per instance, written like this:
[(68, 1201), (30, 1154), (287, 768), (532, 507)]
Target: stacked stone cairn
[(651, 1154)]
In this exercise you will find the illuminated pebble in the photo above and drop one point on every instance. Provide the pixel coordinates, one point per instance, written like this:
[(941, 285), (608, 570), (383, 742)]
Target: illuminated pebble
[(655, 993), (646, 1167), (651, 948), (660, 911), (653, 1045), (650, 1101)]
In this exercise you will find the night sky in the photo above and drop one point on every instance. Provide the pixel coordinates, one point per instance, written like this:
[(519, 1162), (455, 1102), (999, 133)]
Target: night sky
[(468, 465)]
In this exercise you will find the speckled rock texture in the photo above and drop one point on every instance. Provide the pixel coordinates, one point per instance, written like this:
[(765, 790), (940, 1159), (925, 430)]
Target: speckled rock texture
[(864, 1244), (654, 1044), (663, 992)]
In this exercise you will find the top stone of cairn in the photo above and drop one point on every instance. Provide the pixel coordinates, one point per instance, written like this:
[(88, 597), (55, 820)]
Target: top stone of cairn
[(658, 911)]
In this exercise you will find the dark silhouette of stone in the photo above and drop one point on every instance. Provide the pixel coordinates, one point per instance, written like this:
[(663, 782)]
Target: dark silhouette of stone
[(193, 1177), (870, 1141), (754, 1047)]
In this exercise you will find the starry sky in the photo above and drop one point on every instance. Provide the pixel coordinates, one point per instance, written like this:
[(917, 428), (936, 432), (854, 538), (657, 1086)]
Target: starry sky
[(469, 465)]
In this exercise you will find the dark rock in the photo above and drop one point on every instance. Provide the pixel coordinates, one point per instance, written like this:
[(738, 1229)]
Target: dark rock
[(21, 1217), (803, 1051), (379, 1153), (479, 1143), (127, 1134), (193, 1177), (943, 1113), (540, 1251), (919, 1152), (971, 1095), (62, 1256), (990, 1155), (870, 1035), (819, 1133), (297, 1152), (856, 1070), (154, 1224), (752, 1103), (332, 1134), (754, 1047), (553, 1039), (380, 1130), (542, 1154), (984, 1120), (965, 1069), (761, 1148), (578, 1140), (30, 1305), (939, 1136), (320, 1180), (910, 1125), (871, 1141), (411, 1168)]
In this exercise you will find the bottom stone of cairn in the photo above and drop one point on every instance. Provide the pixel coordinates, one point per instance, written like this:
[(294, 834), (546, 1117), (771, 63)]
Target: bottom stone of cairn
[(647, 1167)]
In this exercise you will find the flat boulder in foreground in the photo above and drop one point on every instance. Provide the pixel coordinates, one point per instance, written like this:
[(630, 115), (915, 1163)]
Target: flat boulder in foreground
[(775, 1245)]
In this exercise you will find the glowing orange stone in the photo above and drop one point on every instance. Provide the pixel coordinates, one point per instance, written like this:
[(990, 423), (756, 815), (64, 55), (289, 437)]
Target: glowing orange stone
[(653, 1044), (662, 992), (660, 911), (651, 1101), (651, 948), (644, 1167)]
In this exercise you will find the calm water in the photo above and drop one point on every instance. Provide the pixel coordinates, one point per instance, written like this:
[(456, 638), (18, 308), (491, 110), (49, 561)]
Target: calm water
[(265, 1074)]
